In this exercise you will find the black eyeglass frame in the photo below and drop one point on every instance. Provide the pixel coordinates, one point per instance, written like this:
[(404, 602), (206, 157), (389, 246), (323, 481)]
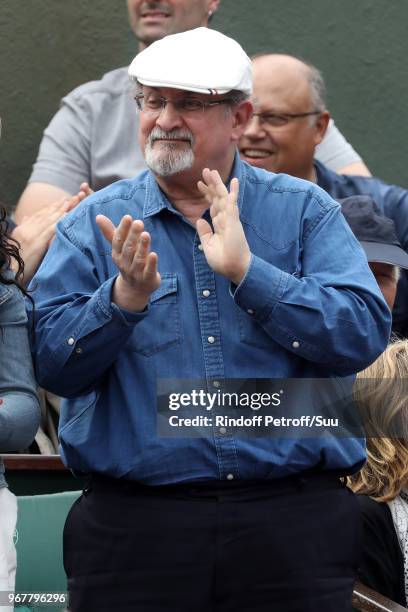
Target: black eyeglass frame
[(200, 109)]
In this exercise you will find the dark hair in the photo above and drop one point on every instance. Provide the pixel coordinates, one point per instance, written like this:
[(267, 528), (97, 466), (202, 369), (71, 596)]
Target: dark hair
[(9, 250), (237, 96)]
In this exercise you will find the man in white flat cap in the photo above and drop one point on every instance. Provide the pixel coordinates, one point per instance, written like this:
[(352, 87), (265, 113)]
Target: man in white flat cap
[(202, 269)]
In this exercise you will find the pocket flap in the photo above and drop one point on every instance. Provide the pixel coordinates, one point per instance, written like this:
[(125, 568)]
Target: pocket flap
[(168, 286)]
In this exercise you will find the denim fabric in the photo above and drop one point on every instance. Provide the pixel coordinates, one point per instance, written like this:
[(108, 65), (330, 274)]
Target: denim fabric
[(307, 307), (19, 408), (393, 202)]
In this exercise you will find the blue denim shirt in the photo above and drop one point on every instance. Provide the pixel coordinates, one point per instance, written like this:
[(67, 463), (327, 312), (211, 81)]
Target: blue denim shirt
[(393, 201), (307, 307), (19, 408)]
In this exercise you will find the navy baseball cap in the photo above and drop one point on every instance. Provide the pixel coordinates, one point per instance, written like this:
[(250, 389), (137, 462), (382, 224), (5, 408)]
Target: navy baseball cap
[(374, 231)]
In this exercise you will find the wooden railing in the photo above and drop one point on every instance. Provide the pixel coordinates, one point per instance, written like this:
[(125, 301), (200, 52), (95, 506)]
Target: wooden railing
[(367, 600), (39, 475), (33, 462)]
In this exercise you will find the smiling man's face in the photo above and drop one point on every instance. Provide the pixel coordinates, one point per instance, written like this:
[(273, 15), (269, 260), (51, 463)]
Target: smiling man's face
[(151, 20), (281, 87)]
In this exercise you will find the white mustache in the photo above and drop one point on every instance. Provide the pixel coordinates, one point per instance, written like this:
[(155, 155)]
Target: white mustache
[(159, 134)]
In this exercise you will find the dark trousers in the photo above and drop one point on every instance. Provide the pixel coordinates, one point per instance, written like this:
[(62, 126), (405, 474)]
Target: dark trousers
[(284, 546)]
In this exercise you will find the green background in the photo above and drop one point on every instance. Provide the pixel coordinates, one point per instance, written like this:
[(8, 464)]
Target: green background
[(47, 47)]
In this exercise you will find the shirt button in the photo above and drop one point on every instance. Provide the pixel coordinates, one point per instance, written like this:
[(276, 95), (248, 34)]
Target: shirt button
[(230, 476), (211, 339), (206, 293), (216, 384), (295, 344), (222, 430), (78, 350), (71, 341), (200, 246), (250, 311)]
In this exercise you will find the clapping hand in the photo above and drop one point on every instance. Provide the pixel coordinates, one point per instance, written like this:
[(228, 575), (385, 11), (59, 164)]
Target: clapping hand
[(225, 247), (36, 232), (138, 275)]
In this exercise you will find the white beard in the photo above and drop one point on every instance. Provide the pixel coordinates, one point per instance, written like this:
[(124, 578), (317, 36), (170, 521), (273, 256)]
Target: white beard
[(167, 158)]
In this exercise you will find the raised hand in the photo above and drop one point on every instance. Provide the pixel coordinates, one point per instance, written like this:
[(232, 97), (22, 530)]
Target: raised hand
[(84, 192), (85, 188), (36, 232), (138, 275), (225, 247)]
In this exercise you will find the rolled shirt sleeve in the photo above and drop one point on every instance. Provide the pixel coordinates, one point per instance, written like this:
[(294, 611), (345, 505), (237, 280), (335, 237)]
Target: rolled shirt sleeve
[(92, 137), (334, 151), (65, 151)]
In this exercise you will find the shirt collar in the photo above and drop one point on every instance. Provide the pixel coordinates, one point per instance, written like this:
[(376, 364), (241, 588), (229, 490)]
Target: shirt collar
[(156, 200), (321, 174), (238, 171)]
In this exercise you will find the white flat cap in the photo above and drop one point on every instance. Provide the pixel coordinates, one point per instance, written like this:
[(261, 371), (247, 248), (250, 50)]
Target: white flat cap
[(200, 60)]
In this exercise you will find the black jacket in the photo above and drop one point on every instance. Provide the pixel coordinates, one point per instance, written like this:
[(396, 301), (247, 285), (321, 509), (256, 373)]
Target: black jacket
[(382, 562)]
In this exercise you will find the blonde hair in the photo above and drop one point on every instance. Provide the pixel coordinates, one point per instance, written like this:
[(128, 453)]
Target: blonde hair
[(380, 392)]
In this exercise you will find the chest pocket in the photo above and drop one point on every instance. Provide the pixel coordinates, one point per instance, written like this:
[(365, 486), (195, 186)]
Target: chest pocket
[(160, 329)]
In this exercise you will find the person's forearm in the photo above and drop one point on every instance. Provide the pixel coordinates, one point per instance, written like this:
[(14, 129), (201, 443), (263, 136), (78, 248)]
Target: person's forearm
[(35, 197), (357, 168), (31, 264)]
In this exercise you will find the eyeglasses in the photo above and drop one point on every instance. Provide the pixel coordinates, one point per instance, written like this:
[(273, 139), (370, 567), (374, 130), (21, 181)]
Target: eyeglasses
[(154, 105), (281, 119)]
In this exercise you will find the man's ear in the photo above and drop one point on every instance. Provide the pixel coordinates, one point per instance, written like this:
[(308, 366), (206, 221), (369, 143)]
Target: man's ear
[(213, 6), (242, 114), (321, 124)]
